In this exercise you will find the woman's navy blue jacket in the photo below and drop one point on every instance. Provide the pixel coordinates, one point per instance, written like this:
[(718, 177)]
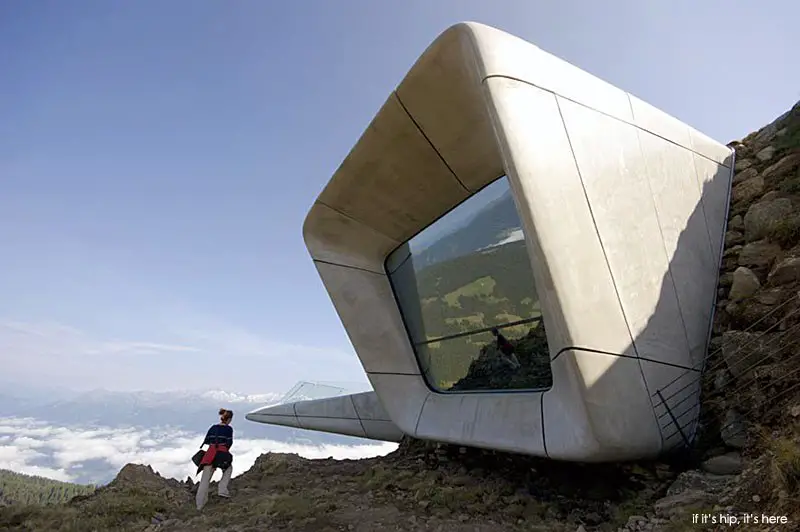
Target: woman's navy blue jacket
[(223, 435)]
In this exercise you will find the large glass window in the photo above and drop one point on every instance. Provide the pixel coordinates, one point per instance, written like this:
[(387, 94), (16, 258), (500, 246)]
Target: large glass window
[(466, 292)]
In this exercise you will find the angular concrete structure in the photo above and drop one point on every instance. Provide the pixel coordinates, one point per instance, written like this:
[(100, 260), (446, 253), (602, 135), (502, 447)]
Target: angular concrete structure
[(621, 214), (360, 415)]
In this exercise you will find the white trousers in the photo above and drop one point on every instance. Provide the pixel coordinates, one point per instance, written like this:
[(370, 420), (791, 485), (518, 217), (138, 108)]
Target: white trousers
[(205, 481)]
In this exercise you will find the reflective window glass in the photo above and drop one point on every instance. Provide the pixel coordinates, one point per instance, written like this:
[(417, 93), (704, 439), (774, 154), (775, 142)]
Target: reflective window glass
[(466, 292)]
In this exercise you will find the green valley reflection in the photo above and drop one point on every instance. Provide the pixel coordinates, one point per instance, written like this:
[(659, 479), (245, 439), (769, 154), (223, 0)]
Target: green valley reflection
[(465, 274)]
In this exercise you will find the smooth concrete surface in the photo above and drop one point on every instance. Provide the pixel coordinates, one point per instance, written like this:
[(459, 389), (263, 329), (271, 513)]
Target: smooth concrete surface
[(383, 345), (335, 238), (484, 423), (623, 209), (382, 187), (360, 415)]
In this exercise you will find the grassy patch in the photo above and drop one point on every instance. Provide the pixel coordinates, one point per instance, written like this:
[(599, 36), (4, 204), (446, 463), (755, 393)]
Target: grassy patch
[(790, 186), (462, 499), (376, 478), (471, 321), (624, 510), (784, 464), (791, 139), (285, 506), (483, 286), (117, 511)]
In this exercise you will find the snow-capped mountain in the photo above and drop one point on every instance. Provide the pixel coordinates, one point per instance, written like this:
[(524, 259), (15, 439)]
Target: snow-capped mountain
[(261, 399)]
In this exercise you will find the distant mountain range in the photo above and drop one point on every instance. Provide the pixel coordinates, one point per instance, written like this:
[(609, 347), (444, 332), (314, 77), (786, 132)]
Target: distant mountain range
[(461, 215), (498, 221)]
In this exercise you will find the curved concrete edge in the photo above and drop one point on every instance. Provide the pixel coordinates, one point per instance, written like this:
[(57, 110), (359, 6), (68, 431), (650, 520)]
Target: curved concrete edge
[(579, 419), (360, 415)]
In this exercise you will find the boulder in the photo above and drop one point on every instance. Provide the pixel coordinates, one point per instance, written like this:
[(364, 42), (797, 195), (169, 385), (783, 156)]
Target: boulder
[(745, 175), (683, 502), (736, 223), (691, 489), (744, 164), (721, 380), (748, 190), (745, 284), (784, 166), (730, 258), (759, 254), (766, 154), (785, 271), (745, 313), (764, 217), (771, 195), (768, 133), (743, 351), (771, 296), (733, 238), (733, 430), (726, 464)]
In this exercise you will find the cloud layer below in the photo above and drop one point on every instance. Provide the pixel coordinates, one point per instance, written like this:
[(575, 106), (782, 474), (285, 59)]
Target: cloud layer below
[(96, 455)]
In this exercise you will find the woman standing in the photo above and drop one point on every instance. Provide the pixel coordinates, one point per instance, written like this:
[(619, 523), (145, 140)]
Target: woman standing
[(219, 438)]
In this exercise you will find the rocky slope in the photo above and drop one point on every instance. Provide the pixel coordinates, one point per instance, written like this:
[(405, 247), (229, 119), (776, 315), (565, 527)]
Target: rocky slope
[(747, 460)]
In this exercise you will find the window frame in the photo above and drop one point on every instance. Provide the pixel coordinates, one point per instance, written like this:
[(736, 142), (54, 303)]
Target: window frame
[(423, 371)]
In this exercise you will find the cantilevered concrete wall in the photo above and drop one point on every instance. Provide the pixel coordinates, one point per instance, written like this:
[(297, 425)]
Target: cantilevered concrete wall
[(360, 415), (623, 209)]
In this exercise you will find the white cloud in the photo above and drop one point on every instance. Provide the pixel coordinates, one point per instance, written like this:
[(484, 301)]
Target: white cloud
[(25, 441)]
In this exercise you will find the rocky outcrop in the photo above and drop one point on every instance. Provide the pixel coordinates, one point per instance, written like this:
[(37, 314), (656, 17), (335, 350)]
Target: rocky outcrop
[(752, 384)]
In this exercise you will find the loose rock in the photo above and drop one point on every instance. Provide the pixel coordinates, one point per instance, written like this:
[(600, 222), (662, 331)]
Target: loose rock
[(743, 164), (743, 351), (786, 271), (784, 166), (733, 237), (745, 284), (726, 464), (733, 430), (748, 190), (745, 175), (764, 217), (771, 195), (759, 254), (766, 154), (736, 223)]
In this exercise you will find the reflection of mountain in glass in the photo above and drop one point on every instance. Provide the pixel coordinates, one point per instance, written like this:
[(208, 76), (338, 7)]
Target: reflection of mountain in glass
[(490, 371), (459, 216), (475, 290), (470, 271), (496, 222)]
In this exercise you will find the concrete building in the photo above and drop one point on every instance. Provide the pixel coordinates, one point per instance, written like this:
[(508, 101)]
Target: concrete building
[(524, 257)]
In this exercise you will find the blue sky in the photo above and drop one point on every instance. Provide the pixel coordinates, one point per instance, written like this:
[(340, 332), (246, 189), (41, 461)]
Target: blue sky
[(157, 160)]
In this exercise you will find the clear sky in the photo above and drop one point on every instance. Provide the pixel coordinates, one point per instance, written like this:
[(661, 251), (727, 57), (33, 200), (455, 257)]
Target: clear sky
[(157, 160)]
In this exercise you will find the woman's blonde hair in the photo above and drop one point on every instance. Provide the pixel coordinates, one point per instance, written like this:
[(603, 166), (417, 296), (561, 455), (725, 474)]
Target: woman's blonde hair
[(225, 415)]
